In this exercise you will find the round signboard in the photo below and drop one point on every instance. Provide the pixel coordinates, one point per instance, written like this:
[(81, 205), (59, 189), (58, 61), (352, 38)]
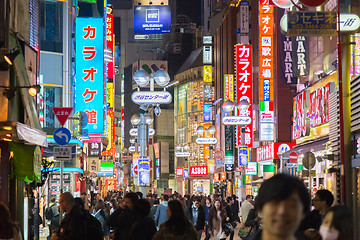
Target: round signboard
[(219, 155), (313, 3), (309, 160), (284, 3), (293, 157)]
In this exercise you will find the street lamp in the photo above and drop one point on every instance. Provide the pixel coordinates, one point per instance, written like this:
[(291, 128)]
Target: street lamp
[(135, 119), (228, 106), (146, 99)]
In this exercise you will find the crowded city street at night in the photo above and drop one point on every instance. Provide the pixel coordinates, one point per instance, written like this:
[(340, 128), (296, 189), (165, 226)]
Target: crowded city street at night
[(180, 120)]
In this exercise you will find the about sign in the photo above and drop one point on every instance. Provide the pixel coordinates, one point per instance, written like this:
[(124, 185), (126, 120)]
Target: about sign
[(206, 140), (236, 120), (154, 97)]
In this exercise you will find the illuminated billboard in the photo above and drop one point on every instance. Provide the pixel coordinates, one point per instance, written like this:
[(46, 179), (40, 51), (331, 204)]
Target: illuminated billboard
[(152, 19), (90, 72)]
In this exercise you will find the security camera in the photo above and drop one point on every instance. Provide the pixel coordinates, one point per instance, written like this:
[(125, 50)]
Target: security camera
[(157, 110)]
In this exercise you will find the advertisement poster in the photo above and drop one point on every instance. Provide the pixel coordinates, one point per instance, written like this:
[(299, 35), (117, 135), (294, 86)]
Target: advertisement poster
[(152, 19)]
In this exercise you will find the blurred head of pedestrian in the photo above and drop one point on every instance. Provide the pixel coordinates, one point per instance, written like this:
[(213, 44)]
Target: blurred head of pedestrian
[(230, 200), (177, 219), (140, 194), (156, 202), (250, 198), (196, 202), (79, 202), (142, 207), (337, 224), (52, 200), (66, 201), (114, 203), (98, 196), (218, 205), (208, 201), (100, 205), (130, 199), (282, 202), (323, 200), (165, 197), (6, 224)]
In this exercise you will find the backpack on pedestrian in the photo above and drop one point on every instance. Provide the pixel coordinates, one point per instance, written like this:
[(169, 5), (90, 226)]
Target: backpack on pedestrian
[(49, 214)]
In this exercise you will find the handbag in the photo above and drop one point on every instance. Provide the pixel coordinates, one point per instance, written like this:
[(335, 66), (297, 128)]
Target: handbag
[(228, 229), (244, 231)]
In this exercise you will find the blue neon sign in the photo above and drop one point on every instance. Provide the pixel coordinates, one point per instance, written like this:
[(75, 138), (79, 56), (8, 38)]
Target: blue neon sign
[(152, 19), (89, 87)]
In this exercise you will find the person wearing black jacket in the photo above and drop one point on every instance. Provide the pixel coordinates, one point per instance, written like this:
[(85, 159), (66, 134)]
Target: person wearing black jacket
[(144, 227), (196, 214), (122, 219), (229, 212)]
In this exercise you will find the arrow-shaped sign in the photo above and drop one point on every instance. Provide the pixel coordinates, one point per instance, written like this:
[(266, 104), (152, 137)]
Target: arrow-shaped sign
[(60, 134)]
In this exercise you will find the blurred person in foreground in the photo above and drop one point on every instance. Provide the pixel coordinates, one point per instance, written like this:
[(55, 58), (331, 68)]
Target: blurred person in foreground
[(282, 203), (8, 229), (337, 224), (144, 227), (177, 227), (123, 218)]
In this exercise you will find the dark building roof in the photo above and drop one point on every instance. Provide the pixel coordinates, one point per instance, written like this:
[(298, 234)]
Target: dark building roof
[(194, 60)]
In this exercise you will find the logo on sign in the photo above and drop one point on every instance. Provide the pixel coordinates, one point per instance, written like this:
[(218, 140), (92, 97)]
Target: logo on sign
[(179, 172), (206, 140), (236, 120), (182, 154), (152, 15), (199, 170), (283, 148), (155, 97)]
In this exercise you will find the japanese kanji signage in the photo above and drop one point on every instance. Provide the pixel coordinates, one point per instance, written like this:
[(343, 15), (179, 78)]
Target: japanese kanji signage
[(355, 58), (303, 23), (110, 46), (244, 87), (90, 72), (266, 21)]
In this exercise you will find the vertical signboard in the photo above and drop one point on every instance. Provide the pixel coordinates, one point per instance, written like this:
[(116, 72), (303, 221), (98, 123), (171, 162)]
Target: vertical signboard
[(207, 74), (300, 66), (286, 46), (144, 171), (229, 87), (244, 87), (90, 72), (266, 21), (229, 148), (355, 56)]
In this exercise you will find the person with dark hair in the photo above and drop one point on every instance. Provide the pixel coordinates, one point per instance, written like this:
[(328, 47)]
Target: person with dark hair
[(282, 203), (177, 227), (323, 201), (144, 227), (229, 213), (154, 208), (217, 219), (8, 229), (114, 205), (140, 194), (337, 224), (246, 206), (196, 214), (235, 208), (161, 215), (208, 206), (101, 215), (123, 218)]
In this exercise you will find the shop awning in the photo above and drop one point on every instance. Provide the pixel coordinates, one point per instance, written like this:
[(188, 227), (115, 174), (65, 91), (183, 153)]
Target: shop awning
[(313, 146), (65, 169), (27, 161)]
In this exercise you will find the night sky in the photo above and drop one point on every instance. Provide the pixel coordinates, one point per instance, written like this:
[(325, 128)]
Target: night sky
[(191, 8)]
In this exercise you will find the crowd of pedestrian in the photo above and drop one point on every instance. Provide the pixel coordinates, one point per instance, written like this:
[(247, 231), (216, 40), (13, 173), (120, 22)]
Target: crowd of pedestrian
[(282, 210)]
